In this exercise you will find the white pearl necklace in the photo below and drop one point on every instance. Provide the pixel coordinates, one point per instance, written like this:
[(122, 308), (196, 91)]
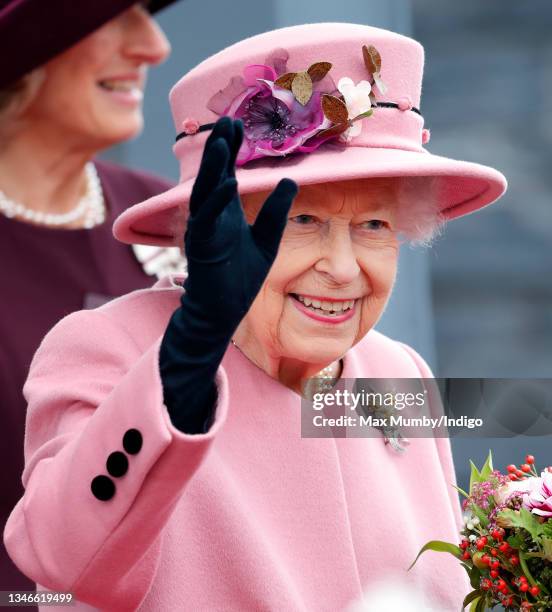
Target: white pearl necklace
[(323, 381), (91, 206)]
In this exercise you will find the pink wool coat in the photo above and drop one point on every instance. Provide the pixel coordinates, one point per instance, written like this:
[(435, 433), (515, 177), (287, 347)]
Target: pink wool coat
[(249, 516)]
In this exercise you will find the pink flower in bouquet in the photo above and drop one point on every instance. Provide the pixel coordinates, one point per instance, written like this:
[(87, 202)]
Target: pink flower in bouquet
[(519, 487), (482, 492), (539, 498)]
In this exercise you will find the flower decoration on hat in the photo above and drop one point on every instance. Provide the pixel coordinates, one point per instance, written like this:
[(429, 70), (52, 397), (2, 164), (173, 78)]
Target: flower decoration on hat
[(296, 112), (358, 103)]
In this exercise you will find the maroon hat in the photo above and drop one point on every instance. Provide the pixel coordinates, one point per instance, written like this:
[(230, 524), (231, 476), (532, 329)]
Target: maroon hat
[(34, 31)]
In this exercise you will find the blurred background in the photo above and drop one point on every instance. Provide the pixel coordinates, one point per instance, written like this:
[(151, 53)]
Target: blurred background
[(479, 302)]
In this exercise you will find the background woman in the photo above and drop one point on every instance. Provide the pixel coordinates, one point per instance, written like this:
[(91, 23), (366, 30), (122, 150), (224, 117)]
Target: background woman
[(71, 85), (172, 435)]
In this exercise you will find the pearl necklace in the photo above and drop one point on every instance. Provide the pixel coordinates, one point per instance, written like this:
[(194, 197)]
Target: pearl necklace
[(91, 206), (323, 381)]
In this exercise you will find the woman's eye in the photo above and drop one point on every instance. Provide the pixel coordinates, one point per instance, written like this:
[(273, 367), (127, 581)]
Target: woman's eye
[(303, 219), (374, 224)]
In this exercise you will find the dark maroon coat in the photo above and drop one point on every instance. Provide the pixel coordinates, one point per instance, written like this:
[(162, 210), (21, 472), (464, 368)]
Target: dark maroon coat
[(45, 274)]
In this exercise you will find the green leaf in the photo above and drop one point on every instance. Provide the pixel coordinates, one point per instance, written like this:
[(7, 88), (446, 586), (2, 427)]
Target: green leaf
[(480, 514), (466, 567), (475, 577), (471, 597), (547, 529), (368, 113), (523, 563), (528, 575), (515, 541), (438, 546), (487, 467), (481, 605), (461, 491), (547, 548), (475, 604), (475, 476), (524, 519)]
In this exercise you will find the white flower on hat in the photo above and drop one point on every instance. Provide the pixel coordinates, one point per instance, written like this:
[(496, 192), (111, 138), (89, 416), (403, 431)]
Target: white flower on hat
[(357, 100)]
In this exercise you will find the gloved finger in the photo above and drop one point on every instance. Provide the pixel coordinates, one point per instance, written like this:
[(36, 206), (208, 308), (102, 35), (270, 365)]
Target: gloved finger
[(272, 218), (235, 147), (223, 128), (206, 219), (212, 172)]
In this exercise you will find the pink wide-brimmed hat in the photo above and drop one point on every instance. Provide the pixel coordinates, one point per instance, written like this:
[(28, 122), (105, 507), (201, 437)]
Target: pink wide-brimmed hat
[(319, 102)]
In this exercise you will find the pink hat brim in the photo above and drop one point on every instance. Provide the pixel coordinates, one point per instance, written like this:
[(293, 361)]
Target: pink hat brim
[(465, 186)]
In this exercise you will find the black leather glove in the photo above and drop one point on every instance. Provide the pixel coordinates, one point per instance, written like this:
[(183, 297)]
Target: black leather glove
[(228, 261)]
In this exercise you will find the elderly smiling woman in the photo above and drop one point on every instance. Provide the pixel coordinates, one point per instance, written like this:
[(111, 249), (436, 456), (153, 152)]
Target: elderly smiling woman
[(165, 467)]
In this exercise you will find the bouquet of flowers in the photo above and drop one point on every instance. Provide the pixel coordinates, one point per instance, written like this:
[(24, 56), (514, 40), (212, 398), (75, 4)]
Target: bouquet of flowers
[(506, 545)]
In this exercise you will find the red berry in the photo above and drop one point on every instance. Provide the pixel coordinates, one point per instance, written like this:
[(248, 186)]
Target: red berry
[(525, 468), (464, 544), (500, 584), (523, 587), (466, 555), (519, 473), (507, 602), (480, 544), (513, 476), (534, 590), (495, 564), (494, 552), (494, 573), (512, 468), (529, 459), (523, 579), (514, 560), (504, 547), (485, 584), (486, 559)]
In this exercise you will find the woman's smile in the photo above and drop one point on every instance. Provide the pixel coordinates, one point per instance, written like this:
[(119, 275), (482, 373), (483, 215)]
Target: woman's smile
[(325, 309), (126, 89)]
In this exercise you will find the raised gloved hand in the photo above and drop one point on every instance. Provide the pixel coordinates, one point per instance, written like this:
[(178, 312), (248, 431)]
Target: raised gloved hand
[(228, 261)]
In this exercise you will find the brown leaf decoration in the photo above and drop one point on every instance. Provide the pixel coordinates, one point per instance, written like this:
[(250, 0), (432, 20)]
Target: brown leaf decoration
[(301, 87), (285, 80), (372, 59), (335, 130), (319, 70), (334, 109)]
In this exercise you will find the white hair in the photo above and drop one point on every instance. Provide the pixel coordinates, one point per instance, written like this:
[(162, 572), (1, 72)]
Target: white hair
[(419, 217)]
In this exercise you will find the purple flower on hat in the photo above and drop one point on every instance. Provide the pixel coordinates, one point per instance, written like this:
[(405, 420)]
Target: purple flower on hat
[(275, 122), (539, 499)]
